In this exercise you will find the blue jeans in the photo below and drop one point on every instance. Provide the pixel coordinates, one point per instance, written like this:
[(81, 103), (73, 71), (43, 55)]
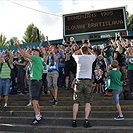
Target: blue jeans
[(108, 60), (116, 94), (4, 87)]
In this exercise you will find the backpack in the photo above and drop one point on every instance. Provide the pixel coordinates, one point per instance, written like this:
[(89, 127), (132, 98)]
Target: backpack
[(106, 86), (127, 95), (107, 83)]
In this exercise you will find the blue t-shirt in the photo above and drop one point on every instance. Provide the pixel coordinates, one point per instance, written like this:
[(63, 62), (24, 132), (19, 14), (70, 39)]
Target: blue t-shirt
[(53, 64)]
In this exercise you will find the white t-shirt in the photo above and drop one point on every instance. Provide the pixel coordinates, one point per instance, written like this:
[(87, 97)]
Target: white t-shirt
[(84, 65)]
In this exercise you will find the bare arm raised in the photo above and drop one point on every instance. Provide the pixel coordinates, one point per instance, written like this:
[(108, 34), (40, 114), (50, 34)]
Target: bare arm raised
[(23, 53)]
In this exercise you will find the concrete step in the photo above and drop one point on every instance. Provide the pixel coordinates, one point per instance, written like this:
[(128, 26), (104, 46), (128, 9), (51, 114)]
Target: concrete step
[(61, 121), (16, 101), (93, 114), (58, 119), (24, 128), (69, 108), (68, 102), (61, 95)]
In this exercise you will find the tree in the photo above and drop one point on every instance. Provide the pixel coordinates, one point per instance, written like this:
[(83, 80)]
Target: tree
[(129, 21), (2, 40), (13, 40), (32, 34)]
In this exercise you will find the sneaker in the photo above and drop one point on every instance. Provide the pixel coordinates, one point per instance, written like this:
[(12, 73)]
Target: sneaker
[(29, 104), (51, 100), (55, 102), (74, 124), (18, 91), (21, 94), (87, 124), (41, 117), (0, 105), (119, 118), (67, 88), (124, 83), (48, 93), (4, 108), (131, 93), (35, 122)]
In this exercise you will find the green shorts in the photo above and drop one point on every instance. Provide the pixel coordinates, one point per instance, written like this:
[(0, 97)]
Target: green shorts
[(83, 91)]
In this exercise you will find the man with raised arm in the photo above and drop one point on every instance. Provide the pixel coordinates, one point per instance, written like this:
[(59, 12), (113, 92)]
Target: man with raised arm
[(36, 80)]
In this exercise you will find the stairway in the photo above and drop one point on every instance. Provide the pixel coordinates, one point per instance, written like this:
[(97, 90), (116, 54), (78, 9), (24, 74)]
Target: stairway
[(58, 119)]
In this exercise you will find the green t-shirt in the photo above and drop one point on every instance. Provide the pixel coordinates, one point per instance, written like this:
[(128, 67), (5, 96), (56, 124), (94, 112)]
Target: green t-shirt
[(130, 64), (36, 68), (115, 77)]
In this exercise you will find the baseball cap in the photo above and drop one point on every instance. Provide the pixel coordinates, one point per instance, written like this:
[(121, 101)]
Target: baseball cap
[(35, 49)]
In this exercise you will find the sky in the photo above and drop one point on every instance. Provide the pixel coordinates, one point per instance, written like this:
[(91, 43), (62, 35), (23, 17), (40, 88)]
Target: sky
[(16, 15)]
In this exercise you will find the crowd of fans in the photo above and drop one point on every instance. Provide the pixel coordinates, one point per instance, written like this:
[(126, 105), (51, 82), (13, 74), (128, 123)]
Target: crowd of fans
[(65, 72)]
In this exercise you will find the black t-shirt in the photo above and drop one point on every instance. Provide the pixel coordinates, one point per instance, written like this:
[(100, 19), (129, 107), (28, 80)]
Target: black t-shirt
[(121, 57)]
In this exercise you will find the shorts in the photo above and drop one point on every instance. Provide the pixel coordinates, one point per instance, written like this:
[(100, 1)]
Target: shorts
[(4, 87), (116, 94), (69, 68), (108, 60), (52, 79), (83, 91), (35, 89), (99, 81)]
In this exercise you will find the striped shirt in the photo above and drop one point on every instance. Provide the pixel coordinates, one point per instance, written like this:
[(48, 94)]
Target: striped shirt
[(5, 71)]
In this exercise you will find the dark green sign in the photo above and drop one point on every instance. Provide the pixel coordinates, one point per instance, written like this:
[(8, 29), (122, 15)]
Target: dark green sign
[(106, 20)]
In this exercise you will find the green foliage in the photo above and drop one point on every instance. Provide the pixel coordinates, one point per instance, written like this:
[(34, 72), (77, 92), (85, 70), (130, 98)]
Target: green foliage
[(32, 34), (2, 40), (13, 40), (129, 19), (42, 36)]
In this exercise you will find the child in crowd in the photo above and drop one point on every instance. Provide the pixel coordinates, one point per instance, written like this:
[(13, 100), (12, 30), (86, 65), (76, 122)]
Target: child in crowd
[(98, 78), (116, 86)]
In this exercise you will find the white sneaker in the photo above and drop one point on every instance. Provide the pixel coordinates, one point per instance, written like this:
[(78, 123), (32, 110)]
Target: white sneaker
[(29, 104), (119, 118), (48, 93)]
